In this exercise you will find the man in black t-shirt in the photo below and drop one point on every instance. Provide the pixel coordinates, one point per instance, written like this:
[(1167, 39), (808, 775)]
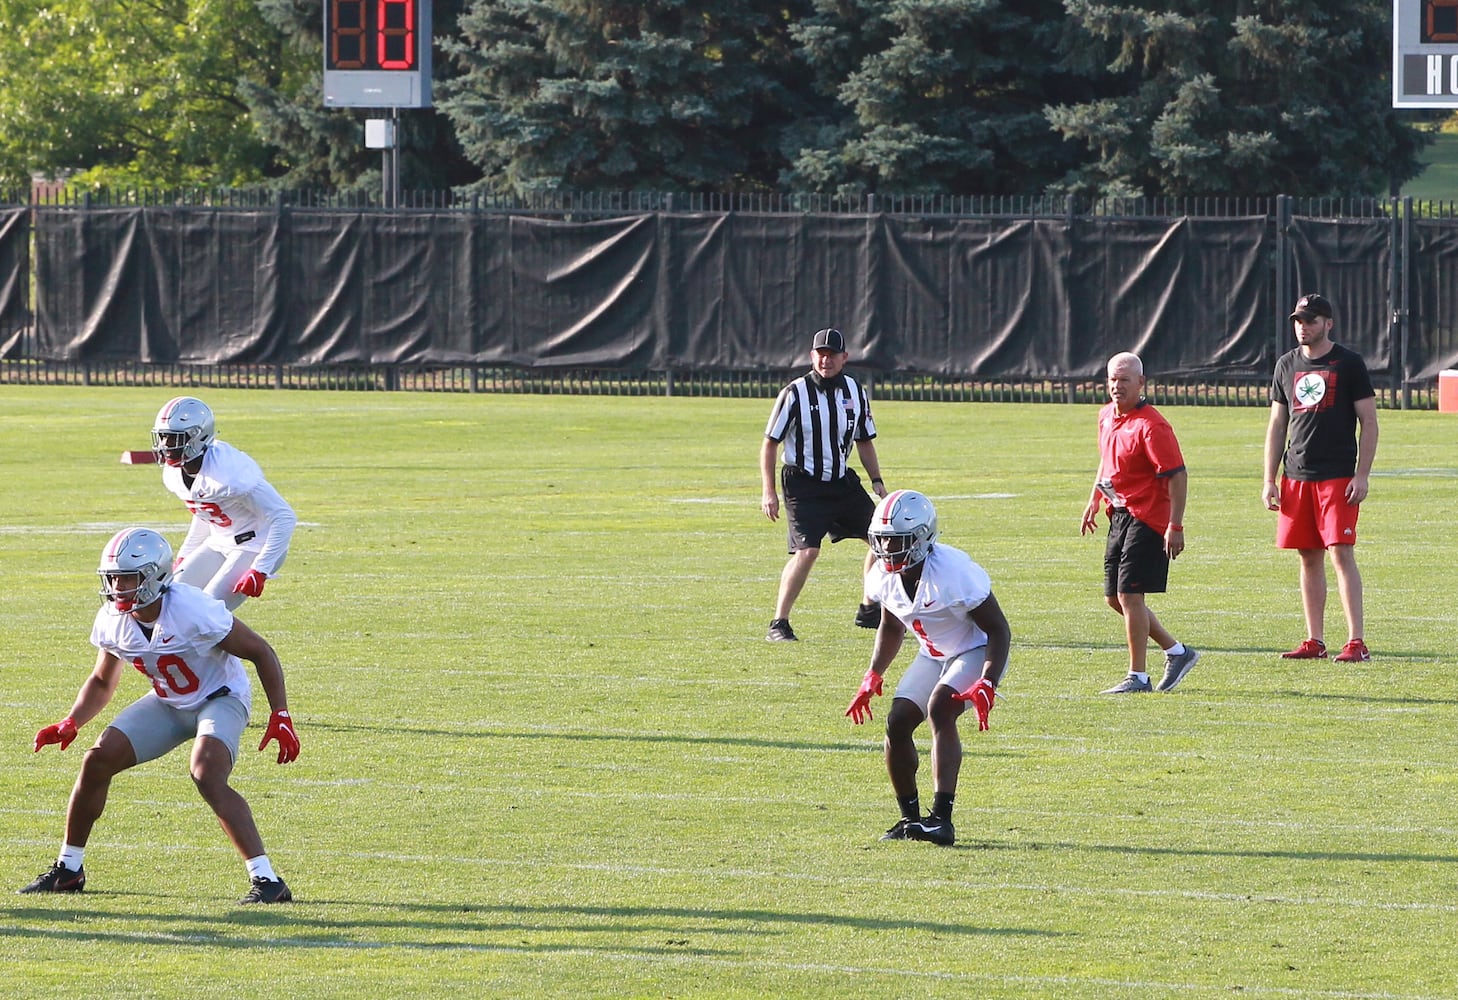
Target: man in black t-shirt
[(1323, 437)]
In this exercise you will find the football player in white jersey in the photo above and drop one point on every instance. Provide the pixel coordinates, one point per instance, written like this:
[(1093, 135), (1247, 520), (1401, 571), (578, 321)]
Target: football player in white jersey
[(241, 527), (188, 645), (946, 600)]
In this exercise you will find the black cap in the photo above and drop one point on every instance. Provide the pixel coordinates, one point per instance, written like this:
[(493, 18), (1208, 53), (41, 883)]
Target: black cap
[(1311, 305), (829, 339)]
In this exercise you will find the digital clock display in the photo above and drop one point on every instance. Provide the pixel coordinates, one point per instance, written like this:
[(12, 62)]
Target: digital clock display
[(373, 34), (377, 53)]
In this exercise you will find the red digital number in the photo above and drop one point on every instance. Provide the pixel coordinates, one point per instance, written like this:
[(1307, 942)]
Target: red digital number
[(395, 37), (372, 34), (173, 672), (1439, 22), (347, 34)]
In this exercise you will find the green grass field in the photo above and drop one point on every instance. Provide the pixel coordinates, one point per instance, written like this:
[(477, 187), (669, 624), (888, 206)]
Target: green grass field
[(547, 752), (1439, 180)]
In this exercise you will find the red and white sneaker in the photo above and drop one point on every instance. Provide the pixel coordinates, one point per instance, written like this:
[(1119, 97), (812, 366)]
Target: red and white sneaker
[(1310, 649), (1353, 652)]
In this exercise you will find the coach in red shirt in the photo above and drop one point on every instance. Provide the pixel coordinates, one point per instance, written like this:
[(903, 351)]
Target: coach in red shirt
[(1141, 485)]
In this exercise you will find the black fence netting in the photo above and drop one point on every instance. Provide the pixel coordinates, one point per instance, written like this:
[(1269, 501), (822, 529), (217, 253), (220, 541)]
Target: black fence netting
[(1017, 292)]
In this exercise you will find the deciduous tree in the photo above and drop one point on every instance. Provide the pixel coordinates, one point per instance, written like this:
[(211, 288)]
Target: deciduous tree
[(121, 92)]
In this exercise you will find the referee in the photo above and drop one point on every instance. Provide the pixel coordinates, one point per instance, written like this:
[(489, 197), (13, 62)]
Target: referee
[(818, 416)]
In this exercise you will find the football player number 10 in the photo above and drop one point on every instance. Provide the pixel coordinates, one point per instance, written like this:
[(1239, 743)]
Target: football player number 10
[(174, 676), (391, 24)]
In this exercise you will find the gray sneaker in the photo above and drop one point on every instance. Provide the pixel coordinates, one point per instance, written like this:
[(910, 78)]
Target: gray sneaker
[(780, 631), (1129, 685), (1175, 668)]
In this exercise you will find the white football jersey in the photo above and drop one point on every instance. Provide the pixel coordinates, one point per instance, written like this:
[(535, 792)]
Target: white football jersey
[(233, 506), (182, 658), (938, 613)]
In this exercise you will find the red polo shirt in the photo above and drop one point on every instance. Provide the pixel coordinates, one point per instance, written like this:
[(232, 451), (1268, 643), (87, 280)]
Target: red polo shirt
[(1138, 452)]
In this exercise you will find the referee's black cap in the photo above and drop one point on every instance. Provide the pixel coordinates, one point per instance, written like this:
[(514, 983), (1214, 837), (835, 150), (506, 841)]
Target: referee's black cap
[(829, 339)]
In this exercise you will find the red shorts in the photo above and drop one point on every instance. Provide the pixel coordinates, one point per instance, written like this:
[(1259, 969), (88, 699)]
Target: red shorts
[(1315, 515)]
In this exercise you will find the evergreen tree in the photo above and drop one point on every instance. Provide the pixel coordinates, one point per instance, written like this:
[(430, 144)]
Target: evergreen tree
[(689, 95), (1236, 97), (935, 96), (320, 147)]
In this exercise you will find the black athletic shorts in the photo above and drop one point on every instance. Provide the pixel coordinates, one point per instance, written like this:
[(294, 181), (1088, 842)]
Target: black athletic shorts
[(815, 508), (1134, 559)]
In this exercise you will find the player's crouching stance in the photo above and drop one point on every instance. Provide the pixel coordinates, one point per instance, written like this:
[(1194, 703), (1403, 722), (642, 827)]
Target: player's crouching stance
[(240, 530), (188, 645), (946, 599)]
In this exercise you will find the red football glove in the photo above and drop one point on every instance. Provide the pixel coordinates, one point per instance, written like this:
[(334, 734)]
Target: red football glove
[(860, 706), (281, 728), (251, 585), (981, 695), (62, 732)]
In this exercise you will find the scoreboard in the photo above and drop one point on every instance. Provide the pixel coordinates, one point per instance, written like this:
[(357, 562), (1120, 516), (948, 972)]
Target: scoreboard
[(377, 53), (1425, 53)]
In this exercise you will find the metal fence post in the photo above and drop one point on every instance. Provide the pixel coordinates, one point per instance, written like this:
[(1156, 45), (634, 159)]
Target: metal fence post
[(1404, 304), (1283, 272)]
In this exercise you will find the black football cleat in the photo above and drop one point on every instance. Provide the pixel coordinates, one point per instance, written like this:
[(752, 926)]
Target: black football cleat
[(901, 831), (933, 829), (58, 878), (267, 891)]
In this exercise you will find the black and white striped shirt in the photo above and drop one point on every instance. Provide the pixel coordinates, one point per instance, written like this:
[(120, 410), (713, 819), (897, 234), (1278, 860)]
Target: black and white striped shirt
[(818, 422)]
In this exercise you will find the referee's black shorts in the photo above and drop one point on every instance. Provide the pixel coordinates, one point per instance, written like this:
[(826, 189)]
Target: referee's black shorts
[(815, 508), (1134, 558)]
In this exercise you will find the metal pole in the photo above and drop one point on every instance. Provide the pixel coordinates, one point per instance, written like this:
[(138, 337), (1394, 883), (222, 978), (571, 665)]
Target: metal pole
[(395, 158), (1405, 303), (1283, 270)]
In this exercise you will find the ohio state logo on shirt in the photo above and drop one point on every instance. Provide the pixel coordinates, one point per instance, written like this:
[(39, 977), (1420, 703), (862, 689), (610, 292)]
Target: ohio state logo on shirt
[(1314, 390)]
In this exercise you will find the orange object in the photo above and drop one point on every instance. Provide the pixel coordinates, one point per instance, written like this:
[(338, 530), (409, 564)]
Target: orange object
[(138, 458), (1448, 391)]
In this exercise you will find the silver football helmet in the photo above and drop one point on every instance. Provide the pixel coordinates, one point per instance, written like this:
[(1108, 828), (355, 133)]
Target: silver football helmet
[(903, 529), (139, 552), (182, 431)]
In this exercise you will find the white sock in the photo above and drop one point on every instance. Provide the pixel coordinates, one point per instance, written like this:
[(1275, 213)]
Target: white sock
[(1178, 649), (71, 857), (1143, 677), (259, 867)]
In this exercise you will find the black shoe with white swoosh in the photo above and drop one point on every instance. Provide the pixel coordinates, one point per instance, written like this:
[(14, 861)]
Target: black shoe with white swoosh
[(933, 829)]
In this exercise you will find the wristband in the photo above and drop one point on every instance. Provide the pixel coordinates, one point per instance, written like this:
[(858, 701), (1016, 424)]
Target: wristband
[(1176, 527), (878, 479)]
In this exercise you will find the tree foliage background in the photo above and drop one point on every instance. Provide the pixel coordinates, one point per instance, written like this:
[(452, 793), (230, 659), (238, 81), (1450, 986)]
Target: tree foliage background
[(1181, 97), (1232, 97)]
